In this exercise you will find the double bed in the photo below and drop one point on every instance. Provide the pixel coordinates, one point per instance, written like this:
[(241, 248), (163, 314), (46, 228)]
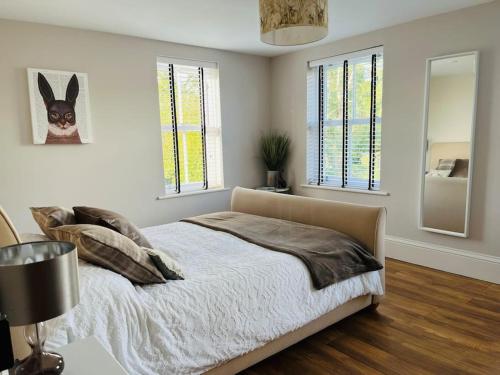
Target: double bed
[(239, 302), (444, 198)]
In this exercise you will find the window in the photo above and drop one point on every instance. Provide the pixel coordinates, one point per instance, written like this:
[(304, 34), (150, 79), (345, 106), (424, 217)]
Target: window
[(344, 119), (190, 125)]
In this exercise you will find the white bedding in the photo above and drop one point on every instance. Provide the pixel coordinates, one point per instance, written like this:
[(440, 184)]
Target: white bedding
[(236, 297)]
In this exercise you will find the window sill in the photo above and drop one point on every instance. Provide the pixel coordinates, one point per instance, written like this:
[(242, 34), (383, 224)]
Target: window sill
[(188, 193), (359, 191)]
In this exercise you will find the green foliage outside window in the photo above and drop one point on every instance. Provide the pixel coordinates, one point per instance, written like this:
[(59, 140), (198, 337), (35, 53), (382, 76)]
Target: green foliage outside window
[(359, 89), (188, 113)]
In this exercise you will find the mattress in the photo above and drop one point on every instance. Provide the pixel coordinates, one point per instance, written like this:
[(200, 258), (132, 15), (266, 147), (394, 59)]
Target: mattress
[(236, 297)]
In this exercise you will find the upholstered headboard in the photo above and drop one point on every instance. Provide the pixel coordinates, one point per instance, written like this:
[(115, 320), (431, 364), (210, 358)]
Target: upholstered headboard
[(9, 236), (448, 150), (361, 222)]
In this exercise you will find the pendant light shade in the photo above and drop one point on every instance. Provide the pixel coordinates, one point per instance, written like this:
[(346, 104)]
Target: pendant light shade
[(293, 22)]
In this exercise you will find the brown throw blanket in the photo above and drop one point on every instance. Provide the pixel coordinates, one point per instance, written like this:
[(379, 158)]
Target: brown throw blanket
[(329, 255)]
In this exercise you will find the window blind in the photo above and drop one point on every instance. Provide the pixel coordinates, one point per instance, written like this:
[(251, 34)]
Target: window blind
[(344, 118), (190, 123)]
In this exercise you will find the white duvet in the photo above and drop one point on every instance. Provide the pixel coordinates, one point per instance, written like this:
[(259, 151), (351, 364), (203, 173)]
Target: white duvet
[(236, 297)]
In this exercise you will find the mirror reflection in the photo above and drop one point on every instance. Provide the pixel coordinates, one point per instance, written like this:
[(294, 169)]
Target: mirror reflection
[(448, 146)]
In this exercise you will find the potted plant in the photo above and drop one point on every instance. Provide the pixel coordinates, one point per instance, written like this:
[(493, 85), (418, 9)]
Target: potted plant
[(274, 149)]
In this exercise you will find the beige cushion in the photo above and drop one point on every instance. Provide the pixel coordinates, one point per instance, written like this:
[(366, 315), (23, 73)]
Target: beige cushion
[(51, 217), (109, 249), (111, 220)]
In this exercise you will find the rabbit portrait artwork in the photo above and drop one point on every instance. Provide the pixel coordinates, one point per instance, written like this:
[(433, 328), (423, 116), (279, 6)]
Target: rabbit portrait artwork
[(59, 106), (60, 113)]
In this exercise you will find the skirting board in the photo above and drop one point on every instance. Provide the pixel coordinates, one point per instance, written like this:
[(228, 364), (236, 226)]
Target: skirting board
[(467, 263)]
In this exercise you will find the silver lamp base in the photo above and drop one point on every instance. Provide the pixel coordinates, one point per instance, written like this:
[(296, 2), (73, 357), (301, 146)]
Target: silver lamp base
[(40, 363)]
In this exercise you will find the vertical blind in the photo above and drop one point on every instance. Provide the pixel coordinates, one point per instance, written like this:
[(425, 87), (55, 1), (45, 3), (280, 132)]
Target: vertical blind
[(190, 124), (344, 119)]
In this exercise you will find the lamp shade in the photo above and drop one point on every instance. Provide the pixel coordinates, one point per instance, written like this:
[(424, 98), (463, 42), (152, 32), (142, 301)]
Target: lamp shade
[(293, 22), (38, 281)]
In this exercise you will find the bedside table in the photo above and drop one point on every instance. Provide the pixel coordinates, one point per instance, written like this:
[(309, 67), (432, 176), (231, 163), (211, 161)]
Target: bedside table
[(88, 356), (286, 190)]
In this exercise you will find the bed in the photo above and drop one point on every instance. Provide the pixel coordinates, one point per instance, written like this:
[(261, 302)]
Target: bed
[(444, 203), (239, 303), (445, 198)]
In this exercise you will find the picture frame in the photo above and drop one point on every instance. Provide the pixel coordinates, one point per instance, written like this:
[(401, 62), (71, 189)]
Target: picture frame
[(60, 106)]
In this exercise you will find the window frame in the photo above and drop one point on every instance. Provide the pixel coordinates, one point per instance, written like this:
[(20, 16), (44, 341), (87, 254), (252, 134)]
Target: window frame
[(318, 177), (178, 130)]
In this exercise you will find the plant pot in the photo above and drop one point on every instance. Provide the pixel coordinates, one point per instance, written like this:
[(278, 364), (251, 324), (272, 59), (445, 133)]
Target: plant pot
[(272, 178)]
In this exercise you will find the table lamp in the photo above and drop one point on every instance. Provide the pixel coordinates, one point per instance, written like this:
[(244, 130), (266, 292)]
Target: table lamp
[(38, 282)]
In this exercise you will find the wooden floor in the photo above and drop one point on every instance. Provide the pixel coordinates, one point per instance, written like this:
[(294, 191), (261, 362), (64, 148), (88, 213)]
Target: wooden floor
[(430, 322)]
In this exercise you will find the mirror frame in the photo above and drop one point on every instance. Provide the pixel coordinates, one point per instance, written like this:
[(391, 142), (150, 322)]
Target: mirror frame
[(429, 61)]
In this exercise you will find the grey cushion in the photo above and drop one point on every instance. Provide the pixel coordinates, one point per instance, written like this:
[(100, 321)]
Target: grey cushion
[(110, 220)]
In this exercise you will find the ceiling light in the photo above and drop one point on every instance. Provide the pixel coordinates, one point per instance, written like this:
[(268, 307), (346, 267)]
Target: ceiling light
[(293, 22)]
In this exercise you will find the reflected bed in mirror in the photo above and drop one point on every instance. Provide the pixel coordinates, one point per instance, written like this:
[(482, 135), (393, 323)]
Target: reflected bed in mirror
[(450, 106)]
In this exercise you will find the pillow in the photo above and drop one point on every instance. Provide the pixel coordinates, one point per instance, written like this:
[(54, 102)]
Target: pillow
[(437, 173), (110, 220), (51, 217), (168, 267), (445, 166), (461, 168), (109, 249)]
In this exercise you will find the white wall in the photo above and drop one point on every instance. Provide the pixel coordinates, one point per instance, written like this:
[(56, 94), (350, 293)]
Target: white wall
[(451, 100), (122, 170), (406, 48)]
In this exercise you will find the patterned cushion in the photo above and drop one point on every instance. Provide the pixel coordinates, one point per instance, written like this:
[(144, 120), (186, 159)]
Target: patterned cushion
[(51, 217), (109, 249), (110, 220)]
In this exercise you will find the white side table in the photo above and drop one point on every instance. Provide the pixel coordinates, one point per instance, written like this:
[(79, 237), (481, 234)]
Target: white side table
[(286, 190), (88, 356)]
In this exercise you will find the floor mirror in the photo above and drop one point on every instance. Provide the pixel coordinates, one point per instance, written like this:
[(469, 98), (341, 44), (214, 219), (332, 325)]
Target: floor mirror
[(448, 143)]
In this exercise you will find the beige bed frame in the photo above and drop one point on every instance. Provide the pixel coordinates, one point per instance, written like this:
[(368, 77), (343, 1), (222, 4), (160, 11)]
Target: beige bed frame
[(366, 224), (9, 236)]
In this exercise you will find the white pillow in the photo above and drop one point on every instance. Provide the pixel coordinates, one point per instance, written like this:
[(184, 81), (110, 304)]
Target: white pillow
[(440, 173)]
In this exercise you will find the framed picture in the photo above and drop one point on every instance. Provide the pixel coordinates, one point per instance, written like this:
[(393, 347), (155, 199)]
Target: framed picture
[(60, 108)]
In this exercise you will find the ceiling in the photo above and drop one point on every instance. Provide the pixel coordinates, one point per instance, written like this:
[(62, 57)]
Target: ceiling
[(225, 24)]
